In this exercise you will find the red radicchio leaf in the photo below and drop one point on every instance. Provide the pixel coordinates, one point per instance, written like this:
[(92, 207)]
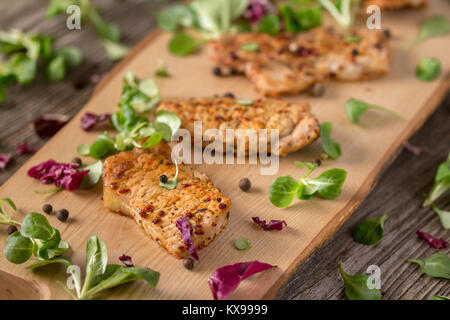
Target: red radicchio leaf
[(24, 148), (226, 279), (416, 150), (257, 9), (185, 229), (90, 121), (48, 125), (63, 175), (4, 159), (273, 224), (432, 241), (126, 260)]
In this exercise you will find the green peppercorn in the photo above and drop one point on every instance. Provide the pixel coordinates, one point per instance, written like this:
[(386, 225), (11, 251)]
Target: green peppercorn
[(62, 215), (188, 263), (47, 208)]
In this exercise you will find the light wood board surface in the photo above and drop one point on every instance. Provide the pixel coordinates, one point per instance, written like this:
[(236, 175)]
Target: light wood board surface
[(366, 149)]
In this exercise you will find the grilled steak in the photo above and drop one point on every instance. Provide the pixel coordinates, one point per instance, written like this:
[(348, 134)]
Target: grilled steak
[(131, 187), (291, 63), (397, 4), (297, 126)]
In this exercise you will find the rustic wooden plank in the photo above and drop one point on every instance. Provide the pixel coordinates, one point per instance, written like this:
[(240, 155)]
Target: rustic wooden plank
[(399, 193)]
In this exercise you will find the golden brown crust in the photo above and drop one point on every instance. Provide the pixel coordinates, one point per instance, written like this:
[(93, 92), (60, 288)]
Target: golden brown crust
[(297, 126), (131, 187), (290, 63)]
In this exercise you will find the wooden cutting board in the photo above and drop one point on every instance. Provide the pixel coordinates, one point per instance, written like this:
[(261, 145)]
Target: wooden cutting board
[(367, 148)]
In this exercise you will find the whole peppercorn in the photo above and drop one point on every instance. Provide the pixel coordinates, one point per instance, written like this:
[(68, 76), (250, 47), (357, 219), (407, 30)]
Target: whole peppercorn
[(245, 184), (77, 160), (11, 230), (188, 263), (47, 208), (62, 215), (229, 95), (317, 90), (163, 178), (318, 162), (217, 71)]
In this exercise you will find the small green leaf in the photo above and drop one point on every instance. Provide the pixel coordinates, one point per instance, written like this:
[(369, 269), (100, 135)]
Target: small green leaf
[(432, 27), (440, 298), (24, 69), (114, 50), (328, 184), (96, 261), (161, 71), (370, 231), (94, 175), (153, 140), (355, 108), (444, 216), (244, 102), (282, 191), (83, 149), (56, 69), (330, 146), (437, 265), (36, 226), (242, 243), (183, 44), (171, 119), (351, 38), (18, 248), (251, 46), (356, 287), (270, 24), (171, 18), (66, 261), (428, 69), (72, 56)]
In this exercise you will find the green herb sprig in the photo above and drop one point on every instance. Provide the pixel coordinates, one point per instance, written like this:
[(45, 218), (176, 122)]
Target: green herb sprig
[(356, 108), (101, 276), (108, 33), (328, 185), (24, 53), (171, 183), (5, 218), (137, 97), (38, 238), (356, 287)]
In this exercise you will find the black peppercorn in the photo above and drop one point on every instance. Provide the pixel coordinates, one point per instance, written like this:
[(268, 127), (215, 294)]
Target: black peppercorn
[(217, 71), (188, 263), (47, 208), (77, 160), (11, 230), (245, 184), (318, 162), (62, 214), (163, 178), (317, 90), (229, 95)]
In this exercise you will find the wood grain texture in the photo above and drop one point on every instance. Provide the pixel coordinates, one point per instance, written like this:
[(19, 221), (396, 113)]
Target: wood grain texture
[(310, 223)]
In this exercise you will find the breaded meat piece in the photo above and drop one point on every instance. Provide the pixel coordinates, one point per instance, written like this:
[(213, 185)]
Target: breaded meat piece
[(292, 63), (297, 126), (131, 187), (397, 4)]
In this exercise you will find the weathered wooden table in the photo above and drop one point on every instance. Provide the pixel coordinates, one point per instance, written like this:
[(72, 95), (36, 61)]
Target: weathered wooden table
[(399, 192)]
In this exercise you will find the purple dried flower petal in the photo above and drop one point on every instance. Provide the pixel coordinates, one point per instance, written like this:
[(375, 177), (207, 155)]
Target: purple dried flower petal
[(4, 159), (185, 229), (432, 241), (272, 225), (416, 150), (126, 260), (257, 9), (91, 120), (62, 175), (24, 148), (48, 125), (226, 279)]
